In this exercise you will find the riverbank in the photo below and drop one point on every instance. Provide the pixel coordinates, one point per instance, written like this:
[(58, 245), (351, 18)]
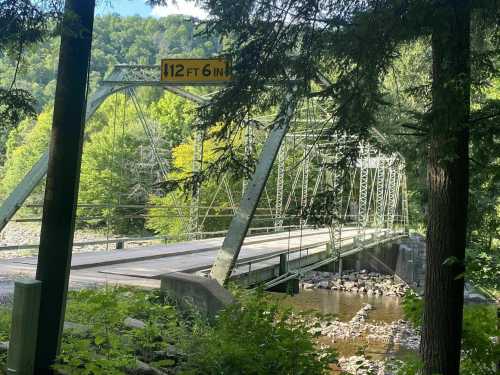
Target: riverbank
[(371, 283), (375, 344), (361, 318)]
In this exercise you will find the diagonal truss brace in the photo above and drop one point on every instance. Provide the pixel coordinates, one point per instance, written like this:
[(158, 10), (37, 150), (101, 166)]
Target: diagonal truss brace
[(228, 253), (30, 181), (123, 77)]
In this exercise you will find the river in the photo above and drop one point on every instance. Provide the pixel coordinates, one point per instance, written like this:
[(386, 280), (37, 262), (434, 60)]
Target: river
[(375, 335), (345, 305)]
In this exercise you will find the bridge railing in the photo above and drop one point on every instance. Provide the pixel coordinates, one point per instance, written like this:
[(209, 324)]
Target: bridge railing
[(120, 242), (358, 242)]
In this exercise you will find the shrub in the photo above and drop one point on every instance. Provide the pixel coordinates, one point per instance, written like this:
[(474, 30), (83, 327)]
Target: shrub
[(479, 351), (255, 337), (413, 308), (5, 318), (252, 337)]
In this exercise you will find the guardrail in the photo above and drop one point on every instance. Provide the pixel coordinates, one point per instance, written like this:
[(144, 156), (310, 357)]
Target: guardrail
[(359, 242), (297, 273), (120, 242)]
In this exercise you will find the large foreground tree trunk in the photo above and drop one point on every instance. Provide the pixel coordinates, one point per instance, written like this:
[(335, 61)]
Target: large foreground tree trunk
[(448, 188), (63, 177)]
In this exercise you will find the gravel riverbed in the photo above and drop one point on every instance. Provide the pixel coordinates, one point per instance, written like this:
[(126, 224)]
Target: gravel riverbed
[(360, 330), (371, 283)]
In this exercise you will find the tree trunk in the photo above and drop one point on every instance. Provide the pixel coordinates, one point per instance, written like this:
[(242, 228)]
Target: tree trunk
[(63, 176), (448, 179)]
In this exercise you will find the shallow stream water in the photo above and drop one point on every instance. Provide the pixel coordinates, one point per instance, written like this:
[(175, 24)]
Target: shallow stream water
[(344, 305)]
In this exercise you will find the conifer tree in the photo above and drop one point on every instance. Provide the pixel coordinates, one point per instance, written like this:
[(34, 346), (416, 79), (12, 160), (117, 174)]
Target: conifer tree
[(354, 43)]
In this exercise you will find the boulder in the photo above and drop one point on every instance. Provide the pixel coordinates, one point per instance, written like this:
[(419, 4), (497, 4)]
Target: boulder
[(133, 323), (349, 284), (323, 284)]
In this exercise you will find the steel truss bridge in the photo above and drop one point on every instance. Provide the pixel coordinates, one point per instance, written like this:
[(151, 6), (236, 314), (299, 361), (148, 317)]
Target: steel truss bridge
[(294, 171)]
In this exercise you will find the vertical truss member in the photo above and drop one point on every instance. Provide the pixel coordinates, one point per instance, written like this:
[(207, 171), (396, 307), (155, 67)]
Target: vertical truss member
[(280, 181), (249, 150), (392, 196), (379, 207), (363, 185), (306, 159), (404, 200), (228, 253), (194, 211), (338, 190), (305, 182)]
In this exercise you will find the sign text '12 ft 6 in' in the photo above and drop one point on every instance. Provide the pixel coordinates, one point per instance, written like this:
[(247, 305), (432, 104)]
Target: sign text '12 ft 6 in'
[(196, 70)]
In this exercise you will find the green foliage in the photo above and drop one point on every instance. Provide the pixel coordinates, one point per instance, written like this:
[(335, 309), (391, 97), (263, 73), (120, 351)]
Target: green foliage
[(94, 356), (166, 218), (100, 343), (109, 347), (413, 307), (15, 105), (175, 116), (483, 267), (4, 323), (479, 351), (255, 337), (109, 173), (410, 366), (24, 24), (5, 318), (25, 145)]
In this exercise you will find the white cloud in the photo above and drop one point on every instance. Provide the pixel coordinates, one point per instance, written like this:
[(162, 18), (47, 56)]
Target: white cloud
[(184, 7)]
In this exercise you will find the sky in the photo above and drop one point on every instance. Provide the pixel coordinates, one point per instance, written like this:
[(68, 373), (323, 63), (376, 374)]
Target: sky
[(139, 7)]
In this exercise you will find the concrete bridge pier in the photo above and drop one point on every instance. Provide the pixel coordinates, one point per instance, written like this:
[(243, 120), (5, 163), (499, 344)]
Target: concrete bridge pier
[(405, 259)]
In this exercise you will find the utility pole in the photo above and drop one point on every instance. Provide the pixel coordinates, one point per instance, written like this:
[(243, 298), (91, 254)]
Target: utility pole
[(63, 176)]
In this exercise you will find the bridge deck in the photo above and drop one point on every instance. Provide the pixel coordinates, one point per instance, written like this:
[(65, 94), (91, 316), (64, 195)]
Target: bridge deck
[(141, 266)]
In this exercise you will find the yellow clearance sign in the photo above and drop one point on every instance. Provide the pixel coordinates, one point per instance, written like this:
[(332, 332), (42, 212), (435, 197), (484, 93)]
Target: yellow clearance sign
[(196, 70)]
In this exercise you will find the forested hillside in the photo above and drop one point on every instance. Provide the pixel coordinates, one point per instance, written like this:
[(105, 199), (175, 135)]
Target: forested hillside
[(118, 165), (116, 40)]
